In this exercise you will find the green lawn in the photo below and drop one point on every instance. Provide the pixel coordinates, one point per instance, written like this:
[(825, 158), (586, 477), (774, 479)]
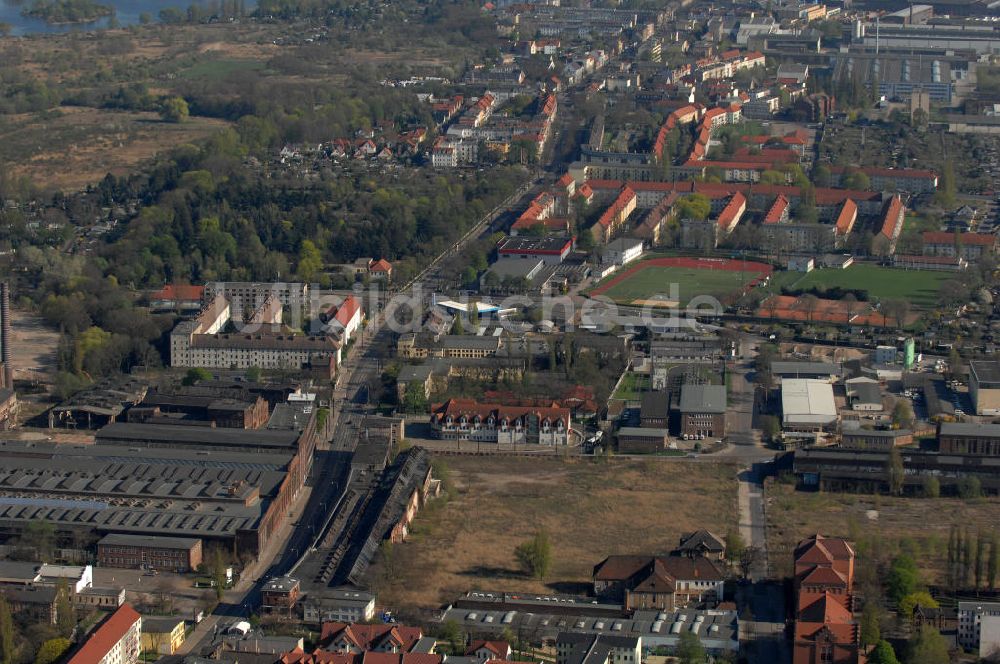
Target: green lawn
[(632, 386), (920, 287), (691, 282)]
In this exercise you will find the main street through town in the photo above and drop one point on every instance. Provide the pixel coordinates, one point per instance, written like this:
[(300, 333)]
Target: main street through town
[(359, 376), (356, 380)]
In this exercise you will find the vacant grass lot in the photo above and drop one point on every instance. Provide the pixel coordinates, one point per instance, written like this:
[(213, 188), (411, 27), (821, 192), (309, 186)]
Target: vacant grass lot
[(590, 509), (920, 287), (632, 386), (75, 146), (653, 281), (879, 525), (214, 70)]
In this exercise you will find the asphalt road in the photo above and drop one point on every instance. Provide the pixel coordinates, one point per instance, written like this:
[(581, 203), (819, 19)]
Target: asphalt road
[(359, 373)]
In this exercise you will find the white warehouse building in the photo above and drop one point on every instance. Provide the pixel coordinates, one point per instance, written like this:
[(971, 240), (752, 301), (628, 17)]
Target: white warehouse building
[(807, 404)]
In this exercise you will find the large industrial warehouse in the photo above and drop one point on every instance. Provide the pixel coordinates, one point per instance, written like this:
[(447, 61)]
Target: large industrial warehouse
[(807, 404), (159, 479)]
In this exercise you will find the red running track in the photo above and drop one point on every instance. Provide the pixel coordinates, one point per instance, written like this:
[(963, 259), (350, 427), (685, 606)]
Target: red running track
[(726, 264)]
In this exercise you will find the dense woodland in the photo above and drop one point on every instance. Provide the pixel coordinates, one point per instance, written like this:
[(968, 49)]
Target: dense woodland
[(208, 212), (60, 12)]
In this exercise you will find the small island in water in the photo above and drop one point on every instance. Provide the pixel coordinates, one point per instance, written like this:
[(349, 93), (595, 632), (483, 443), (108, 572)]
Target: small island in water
[(62, 12)]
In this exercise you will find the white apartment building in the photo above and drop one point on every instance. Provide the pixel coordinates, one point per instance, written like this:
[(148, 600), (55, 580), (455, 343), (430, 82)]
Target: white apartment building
[(248, 295), (200, 343), (972, 617)]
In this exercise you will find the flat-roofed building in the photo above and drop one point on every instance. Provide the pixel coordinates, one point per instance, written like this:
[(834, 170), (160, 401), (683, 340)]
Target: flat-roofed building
[(584, 648), (875, 439), (219, 411), (101, 403), (346, 605), (703, 411), (973, 620), (864, 396), (984, 386), (807, 404), (14, 573), (32, 604), (259, 441), (551, 250), (279, 596), (623, 251), (162, 634), (223, 494), (642, 440), (969, 438), (99, 597), (24, 574), (419, 346), (245, 296), (76, 577), (816, 370), (175, 554)]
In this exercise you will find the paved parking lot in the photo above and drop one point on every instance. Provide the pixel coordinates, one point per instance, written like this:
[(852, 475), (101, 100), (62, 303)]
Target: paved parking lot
[(173, 594)]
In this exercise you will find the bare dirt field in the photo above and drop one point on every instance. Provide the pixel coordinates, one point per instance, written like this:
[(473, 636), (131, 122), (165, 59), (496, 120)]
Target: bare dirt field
[(589, 508), (73, 146), (879, 525), (34, 347)]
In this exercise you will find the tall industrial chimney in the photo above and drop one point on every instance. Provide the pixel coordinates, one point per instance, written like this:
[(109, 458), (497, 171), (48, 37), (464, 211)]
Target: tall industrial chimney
[(5, 335)]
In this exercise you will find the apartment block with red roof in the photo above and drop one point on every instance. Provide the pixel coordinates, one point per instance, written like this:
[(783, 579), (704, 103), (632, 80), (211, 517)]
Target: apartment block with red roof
[(117, 640), (778, 212), (910, 180), (346, 317), (355, 643), (732, 213), (659, 582), (795, 141), (468, 419), (893, 217), (825, 629), (930, 263), (177, 297), (539, 210), (805, 237), (320, 656), (828, 201), (970, 246), (612, 221), (845, 221), (359, 638)]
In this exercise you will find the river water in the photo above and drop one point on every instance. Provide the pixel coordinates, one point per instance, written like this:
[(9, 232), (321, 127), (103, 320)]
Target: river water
[(128, 12)]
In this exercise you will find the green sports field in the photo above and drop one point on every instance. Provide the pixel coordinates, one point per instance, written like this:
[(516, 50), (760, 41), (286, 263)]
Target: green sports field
[(920, 287), (691, 282)]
